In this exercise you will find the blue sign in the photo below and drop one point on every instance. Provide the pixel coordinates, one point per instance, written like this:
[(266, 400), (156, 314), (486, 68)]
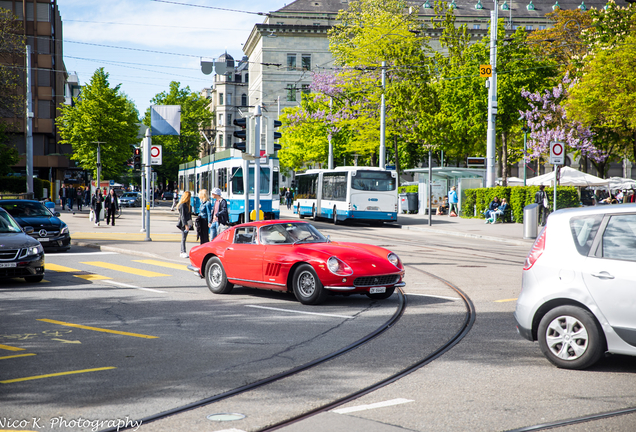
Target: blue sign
[(390, 167), (112, 182)]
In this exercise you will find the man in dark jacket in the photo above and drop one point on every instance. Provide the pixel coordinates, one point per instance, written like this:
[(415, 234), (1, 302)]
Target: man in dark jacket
[(540, 198), (111, 206), (220, 215)]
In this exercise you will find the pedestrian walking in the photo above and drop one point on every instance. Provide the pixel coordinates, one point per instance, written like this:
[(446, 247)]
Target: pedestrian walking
[(541, 199), (185, 221), (204, 220), (452, 202), (79, 198), (111, 206), (71, 198), (175, 199), (96, 205), (87, 197), (220, 215)]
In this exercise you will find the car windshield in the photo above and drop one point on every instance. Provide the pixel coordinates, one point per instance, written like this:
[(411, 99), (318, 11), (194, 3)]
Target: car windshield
[(8, 225), (290, 233), (130, 195), (27, 209)]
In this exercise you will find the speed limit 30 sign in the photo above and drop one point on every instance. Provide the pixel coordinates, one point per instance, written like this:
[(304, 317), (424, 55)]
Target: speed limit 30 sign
[(557, 153)]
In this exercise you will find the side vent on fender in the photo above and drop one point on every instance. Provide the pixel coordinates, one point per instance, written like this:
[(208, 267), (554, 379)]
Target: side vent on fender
[(272, 269)]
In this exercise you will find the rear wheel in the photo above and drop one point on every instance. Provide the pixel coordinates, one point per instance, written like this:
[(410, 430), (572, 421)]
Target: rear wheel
[(381, 296), (216, 278), (34, 279), (335, 217), (571, 338), (307, 286), (300, 215)]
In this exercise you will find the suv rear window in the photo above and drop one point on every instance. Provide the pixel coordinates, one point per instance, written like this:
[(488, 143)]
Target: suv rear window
[(584, 229)]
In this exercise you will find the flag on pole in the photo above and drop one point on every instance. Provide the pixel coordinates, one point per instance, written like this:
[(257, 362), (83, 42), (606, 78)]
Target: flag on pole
[(165, 119)]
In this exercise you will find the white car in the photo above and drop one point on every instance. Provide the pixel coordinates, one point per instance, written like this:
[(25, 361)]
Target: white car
[(578, 296)]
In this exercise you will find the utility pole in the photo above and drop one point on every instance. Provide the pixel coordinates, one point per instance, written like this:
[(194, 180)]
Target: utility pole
[(383, 119), (330, 143), (29, 126), (491, 173), (99, 167), (146, 167)]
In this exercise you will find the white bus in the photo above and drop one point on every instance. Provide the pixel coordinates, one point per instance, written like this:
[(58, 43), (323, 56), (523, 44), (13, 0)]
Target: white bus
[(354, 193), (224, 170)]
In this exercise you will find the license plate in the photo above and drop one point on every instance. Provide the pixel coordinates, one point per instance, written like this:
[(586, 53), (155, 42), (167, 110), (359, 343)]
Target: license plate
[(44, 239), (370, 208), (377, 290), (5, 265)]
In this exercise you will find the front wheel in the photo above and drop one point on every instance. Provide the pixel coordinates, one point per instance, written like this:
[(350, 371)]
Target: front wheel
[(571, 338), (307, 286), (216, 278), (381, 296)]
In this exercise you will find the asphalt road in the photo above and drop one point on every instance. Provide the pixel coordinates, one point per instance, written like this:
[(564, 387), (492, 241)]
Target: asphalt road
[(179, 343)]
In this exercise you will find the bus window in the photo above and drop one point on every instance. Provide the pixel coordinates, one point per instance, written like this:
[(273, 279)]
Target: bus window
[(307, 186), (334, 186), (378, 181)]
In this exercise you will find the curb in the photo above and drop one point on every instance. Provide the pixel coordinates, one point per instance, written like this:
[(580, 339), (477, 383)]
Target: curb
[(123, 251), (475, 236)]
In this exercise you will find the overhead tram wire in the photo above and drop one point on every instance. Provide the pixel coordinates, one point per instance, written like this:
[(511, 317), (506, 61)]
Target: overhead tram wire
[(211, 7)]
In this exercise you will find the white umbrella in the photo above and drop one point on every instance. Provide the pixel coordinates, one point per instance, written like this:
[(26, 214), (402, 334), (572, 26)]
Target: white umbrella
[(621, 183), (568, 177)]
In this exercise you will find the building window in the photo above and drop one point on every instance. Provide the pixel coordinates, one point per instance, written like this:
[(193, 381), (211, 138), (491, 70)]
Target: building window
[(220, 119), (237, 78), (229, 99), (529, 27), (247, 77), (291, 62), (306, 61), (305, 89), (220, 98), (291, 93), (229, 141), (542, 27), (476, 26), (229, 119), (221, 140), (244, 100)]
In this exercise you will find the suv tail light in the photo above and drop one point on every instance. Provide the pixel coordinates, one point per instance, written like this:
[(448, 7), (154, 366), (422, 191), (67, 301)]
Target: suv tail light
[(537, 249)]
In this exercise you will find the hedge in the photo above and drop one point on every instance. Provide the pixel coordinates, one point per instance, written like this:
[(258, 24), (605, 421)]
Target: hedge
[(518, 197), (408, 189), (17, 185)]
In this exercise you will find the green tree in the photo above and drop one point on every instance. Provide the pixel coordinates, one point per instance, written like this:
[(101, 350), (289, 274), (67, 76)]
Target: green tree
[(8, 155), (187, 146), (104, 114), (12, 49)]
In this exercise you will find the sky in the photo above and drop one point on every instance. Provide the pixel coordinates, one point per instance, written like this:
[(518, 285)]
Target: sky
[(146, 44)]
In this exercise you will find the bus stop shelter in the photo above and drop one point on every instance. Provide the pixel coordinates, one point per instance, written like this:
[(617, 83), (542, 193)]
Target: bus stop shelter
[(442, 179)]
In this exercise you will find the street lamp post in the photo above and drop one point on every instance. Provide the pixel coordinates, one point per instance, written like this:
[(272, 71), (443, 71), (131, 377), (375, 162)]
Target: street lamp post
[(525, 150)]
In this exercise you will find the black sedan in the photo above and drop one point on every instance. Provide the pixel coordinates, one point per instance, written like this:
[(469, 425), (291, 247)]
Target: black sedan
[(20, 255), (47, 227)]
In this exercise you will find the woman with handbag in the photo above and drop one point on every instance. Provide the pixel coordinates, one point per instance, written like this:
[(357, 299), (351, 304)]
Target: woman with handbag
[(185, 221)]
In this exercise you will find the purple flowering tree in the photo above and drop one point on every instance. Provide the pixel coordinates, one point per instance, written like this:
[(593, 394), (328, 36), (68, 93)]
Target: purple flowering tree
[(548, 122)]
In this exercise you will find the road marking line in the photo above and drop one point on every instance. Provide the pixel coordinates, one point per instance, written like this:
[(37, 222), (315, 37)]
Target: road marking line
[(164, 264), (300, 312), (97, 329), (55, 374), (16, 356), (92, 277), (62, 269), (81, 254), (372, 406), (10, 348), (434, 296), (125, 269), (66, 341), (133, 286), (505, 300)]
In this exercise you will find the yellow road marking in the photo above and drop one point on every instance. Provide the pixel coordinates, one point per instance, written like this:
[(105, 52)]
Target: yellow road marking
[(63, 269), (55, 374), (164, 264), (97, 329), (92, 277), (125, 269), (17, 355), (505, 300), (10, 348)]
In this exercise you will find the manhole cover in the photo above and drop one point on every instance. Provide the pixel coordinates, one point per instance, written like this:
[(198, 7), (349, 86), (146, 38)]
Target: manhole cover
[(222, 417)]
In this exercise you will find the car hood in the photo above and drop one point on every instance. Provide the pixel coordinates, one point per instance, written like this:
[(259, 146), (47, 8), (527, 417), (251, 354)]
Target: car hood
[(40, 222), (16, 241), (354, 255)]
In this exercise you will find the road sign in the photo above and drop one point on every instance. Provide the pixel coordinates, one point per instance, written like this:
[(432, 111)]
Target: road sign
[(485, 71), (557, 153), (156, 155)]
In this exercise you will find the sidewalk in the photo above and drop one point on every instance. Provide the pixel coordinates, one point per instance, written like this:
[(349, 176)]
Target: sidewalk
[(126, 236)]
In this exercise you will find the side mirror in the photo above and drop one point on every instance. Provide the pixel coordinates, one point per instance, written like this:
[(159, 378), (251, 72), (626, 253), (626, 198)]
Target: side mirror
[(57, 214), (28, 229)]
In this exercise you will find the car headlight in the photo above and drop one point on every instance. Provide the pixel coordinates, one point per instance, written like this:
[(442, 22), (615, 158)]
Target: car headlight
[(34, 250), (394, 259), (338, 267), (64, 230)]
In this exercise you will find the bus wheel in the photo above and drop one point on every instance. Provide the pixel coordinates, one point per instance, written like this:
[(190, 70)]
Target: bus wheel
[(335, 217), (300, 215)]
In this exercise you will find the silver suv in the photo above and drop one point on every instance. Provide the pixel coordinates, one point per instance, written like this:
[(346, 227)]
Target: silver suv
[(578, 296)]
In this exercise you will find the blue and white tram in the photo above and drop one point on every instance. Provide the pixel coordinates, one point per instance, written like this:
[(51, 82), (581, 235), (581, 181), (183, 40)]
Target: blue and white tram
[(224, 170), (358, 193)]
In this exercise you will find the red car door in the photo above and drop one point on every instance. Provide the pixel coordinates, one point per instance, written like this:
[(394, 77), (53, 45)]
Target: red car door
[(243, 260)]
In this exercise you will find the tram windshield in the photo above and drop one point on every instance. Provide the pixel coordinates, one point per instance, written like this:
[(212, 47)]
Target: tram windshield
[(237, 181)]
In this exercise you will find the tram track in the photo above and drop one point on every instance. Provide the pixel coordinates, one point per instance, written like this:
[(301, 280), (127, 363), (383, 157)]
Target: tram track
[(463, 330)]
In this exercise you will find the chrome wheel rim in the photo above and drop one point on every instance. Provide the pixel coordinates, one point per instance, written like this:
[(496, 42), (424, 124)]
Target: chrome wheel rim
[(306, 284), (215, 275), (567, 338)]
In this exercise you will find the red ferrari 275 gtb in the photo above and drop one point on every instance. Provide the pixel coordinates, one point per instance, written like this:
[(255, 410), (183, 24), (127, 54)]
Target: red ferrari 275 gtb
[(295, 256)]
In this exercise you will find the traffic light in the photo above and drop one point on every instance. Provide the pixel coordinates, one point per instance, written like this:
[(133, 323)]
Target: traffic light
[(272, 135), (240, 134), (137, 159)]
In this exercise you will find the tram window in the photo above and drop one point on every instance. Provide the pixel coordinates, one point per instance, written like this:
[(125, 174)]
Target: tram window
[(221, 179), (276, 186), (237, 181), (191, 182)]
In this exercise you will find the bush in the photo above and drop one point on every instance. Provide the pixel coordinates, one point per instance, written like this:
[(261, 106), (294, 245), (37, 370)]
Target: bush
[(408, 189), (17, 185), (518, 197)]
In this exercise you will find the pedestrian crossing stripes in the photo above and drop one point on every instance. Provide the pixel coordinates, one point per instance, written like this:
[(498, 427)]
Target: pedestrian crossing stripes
[(164, 264), (125, 269)]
